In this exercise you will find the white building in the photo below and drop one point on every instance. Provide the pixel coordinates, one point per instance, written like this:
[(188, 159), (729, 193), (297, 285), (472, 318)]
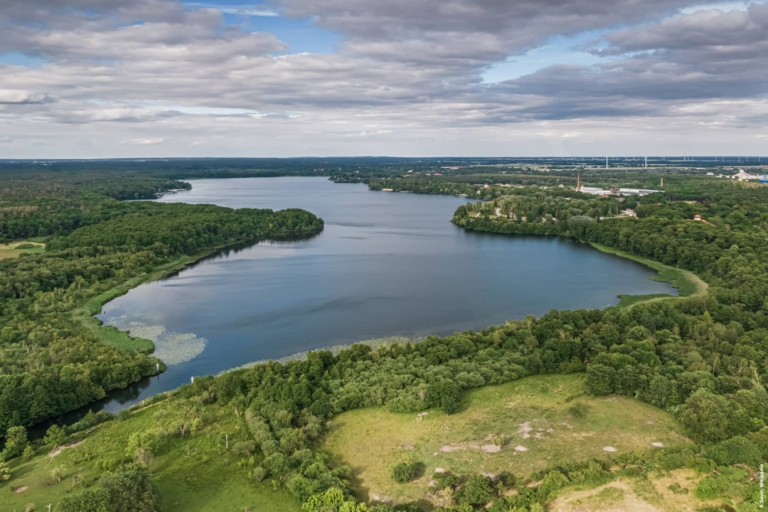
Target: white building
[(617, 191), (745, 176)]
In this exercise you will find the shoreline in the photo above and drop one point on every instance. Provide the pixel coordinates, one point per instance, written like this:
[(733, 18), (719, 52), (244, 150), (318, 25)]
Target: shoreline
[(685, 282)]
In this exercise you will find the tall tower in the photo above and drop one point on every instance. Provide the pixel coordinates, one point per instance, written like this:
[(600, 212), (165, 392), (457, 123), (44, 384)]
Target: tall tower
[(606, 162), (662, 182), (578, 182)]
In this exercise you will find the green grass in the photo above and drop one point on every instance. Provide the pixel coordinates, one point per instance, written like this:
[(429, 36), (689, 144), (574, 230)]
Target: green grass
[(687, 283), (110, 335), (194, 474), (373, 440), (13, 249)]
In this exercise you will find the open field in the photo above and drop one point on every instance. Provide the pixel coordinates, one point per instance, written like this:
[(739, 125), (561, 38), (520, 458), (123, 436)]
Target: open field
[(531, 416), (687, 283), (16, 249), (194, 474)]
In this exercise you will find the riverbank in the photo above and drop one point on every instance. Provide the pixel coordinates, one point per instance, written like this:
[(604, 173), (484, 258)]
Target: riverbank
[(109, 335), (686, 283)]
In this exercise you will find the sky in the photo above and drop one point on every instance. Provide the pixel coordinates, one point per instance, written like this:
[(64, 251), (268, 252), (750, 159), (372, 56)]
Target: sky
[(282, 78)]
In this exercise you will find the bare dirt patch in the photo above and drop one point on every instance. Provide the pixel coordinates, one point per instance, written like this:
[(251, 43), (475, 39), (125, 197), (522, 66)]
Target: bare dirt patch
[(609, 449), (521, 448), (615, 496), (21, 489), (491, 448), (525, 429), (64, 447)]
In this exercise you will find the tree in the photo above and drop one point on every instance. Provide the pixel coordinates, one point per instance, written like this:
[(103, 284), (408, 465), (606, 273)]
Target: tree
[(15, 442), (333, 500), (600, 379), (705, 417), (54, 436), (91, 500), (129, 490), (5, 472)]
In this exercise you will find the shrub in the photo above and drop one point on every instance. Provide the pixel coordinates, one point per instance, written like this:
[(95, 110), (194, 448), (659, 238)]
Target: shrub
[(578, 410), (5, 472), (729, 482), (404, 472), (737, 450), (477, 491), (445, 480), (450, 404), (29, 452), (123, 415), (259, 473)]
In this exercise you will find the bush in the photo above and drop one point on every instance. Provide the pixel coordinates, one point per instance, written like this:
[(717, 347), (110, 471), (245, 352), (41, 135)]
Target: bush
[(445, 480), (404, 472), (123, 415), (729, 482), (477, 491), (450, 404), (737, 450), (259, 473), (579, 410), (5, 472)]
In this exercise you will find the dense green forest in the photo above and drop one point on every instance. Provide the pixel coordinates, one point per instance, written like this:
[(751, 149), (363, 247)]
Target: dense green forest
[(49, 362), (702, 358)]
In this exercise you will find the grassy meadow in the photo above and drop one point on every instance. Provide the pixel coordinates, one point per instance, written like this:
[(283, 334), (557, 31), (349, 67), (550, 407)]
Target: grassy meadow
[(16, 249), (533, 418), (197, 473)]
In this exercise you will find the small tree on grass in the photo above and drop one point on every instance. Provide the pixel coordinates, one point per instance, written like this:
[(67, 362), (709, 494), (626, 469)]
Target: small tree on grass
[(54, 436), (15, 442), (5, 472), (404, 472), (129, 490), (58, 473)]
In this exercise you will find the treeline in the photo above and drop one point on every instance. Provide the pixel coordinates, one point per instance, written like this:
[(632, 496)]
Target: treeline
[(656, 351), (49, 362)]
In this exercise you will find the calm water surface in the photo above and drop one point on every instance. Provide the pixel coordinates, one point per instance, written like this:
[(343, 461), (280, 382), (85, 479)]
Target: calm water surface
[(387, 264)]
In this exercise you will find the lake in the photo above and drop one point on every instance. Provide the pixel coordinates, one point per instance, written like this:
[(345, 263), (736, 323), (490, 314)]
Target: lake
[(387, 264)]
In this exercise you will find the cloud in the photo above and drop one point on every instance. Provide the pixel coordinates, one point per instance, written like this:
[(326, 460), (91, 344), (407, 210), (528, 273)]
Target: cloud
[(20, 97), (144, 142), (408, 75)]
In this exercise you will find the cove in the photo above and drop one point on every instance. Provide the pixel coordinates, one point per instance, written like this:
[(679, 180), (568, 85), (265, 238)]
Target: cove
[(387, 264)]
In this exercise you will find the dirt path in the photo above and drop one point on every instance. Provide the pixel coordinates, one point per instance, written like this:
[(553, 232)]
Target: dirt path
[(629, 502), (64, 447)]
